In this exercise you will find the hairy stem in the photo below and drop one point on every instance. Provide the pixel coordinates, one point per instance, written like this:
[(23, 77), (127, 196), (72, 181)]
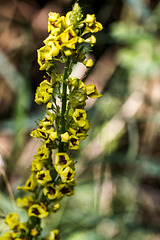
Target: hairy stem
[(64, 101)]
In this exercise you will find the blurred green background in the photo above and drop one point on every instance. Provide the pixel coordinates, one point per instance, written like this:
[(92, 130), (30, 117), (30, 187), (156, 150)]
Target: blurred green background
[(118, 166)]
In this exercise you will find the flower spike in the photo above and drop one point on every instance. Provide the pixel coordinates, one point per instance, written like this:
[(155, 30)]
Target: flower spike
[(64, 125)]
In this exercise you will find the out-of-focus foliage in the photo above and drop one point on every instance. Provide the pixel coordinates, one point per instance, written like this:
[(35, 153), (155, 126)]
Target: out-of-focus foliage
[(118, 170)]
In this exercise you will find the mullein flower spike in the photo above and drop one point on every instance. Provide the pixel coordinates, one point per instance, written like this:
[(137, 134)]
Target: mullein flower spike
[(63, 127)]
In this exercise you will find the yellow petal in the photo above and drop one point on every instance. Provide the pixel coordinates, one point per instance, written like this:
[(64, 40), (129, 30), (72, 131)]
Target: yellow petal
[(38, 211), (53, 136), (88, 63), (92, 91), (43, 177), (12, 220), (65, 137)]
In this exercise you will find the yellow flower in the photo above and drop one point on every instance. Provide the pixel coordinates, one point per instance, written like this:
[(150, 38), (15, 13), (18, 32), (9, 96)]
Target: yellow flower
[(54, 23), (22, 238), (49, 105), (44, 65), (39, 133), (86, 126), (56, 207), (77, 99), (43, 177), (79, 117), (25, 202), (66, 189), (34, 232), (43, 153), (47, 53), (73, 131), (6, 236), (39, 211), (53, 136), (77, 96), (30, 184), (47, 122), (12, 220), (22, 226), (67, 174), (67, 19), (91, 40), (92, 91), (20, 230), (68, 38), (54, 48), (67, 52), (88, 63), (80, 40), (73, 143), (43, 92), (62, 160), (75, 83), (90, 19), (82, 132), (65, 137), (92, 25), (36, 165), (54, 235), (53, 17), (51, 191)]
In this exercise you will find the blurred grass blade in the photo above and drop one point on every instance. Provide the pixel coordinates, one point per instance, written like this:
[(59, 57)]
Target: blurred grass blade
[(19, 85), (8, 186), (10, 73)]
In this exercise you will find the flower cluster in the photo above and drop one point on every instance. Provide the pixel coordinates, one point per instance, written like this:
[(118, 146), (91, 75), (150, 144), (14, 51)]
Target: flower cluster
[(66, 35), (64, 125)]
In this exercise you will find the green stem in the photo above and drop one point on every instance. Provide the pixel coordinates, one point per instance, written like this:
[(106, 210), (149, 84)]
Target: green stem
[(64, 101)]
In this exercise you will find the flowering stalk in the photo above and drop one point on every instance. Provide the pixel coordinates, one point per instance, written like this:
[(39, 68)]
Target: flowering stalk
[(63, 127), (64, 101)]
